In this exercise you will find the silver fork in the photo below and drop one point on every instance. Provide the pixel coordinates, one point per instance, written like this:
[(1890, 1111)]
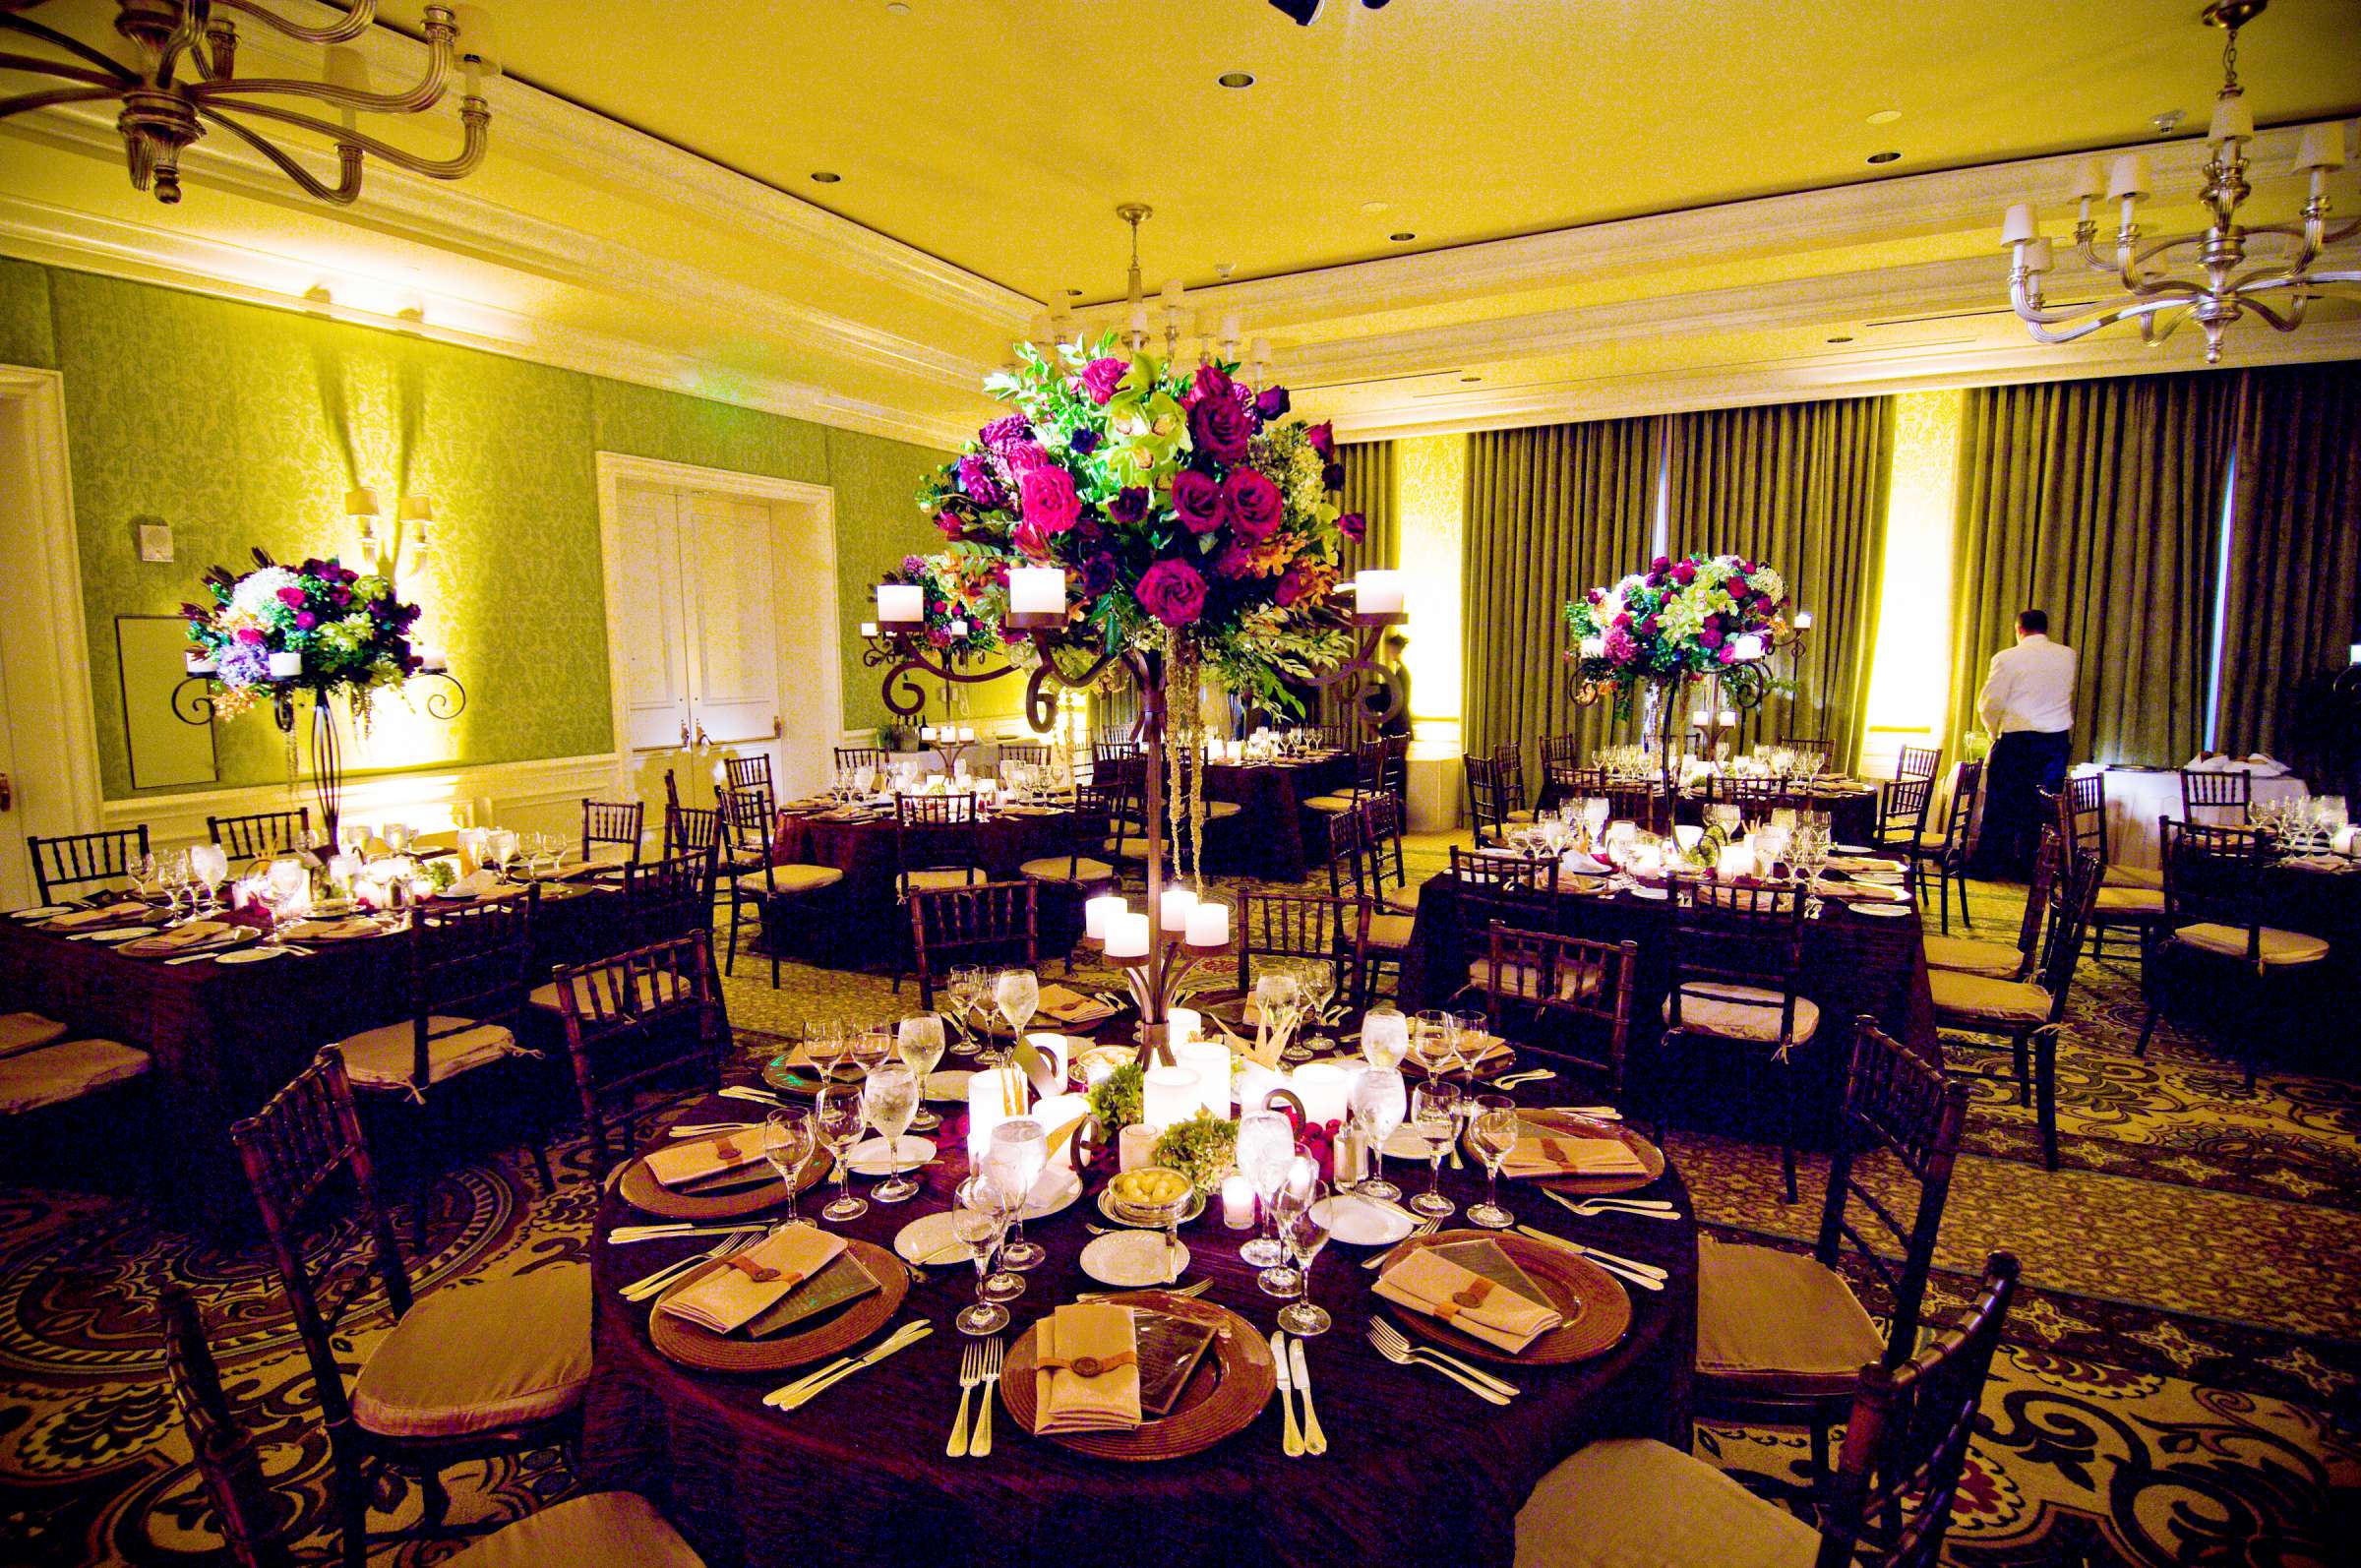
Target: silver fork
[(992, 1354), (1385, 1330), (642, 1288), (1403, 1358), (1592, 1208), (971, 1373), (1198, 1288)]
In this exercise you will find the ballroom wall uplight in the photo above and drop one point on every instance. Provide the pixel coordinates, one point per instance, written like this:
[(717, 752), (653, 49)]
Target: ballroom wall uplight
[(1910, 682)]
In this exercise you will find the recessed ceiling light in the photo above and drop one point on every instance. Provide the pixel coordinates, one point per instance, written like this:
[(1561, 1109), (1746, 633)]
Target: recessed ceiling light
[(1884, 157), (1885, 117), (825, 177), (1471, 377), (897, 9), (1840, 340), (1236, 78), (1401, 236), (1372, 209), (1074, 293)]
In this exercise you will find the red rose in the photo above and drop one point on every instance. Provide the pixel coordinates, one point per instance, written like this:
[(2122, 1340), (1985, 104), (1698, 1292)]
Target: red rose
[(1046, 495), (1322, 436), (1254, 504), (1235, 561), (1291, 587), (1101, 377), (1220, 429), (1197, 501), (1211, 382), (1173, 592), (1351, 526)]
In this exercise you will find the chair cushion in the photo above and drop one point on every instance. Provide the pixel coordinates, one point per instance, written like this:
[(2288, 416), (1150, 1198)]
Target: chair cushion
[(1131, 845), (1742, 1012), (52, 1075), (1331, 803), (1519, 815), (935, 878), (1632, 1502), (2128, 902), (485, 1357), (1988, 1000), (1405, 899), (2131, 877), (667, 987), (1064, 868), (1522, 980), (21, 1031), (1969, 956), (2281, 948), (1389, 934), (1221, 811), (603, 1528), (383, 1058), (1777, 1324), (790, 878)]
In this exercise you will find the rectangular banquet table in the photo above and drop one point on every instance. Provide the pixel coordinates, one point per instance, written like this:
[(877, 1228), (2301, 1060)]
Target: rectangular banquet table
[(1418, 1472), (1852, 807), (225, 1038)]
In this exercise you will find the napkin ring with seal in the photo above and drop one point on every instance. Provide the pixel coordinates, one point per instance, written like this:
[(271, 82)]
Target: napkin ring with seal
[(1466, 1299), (1087, 1366)]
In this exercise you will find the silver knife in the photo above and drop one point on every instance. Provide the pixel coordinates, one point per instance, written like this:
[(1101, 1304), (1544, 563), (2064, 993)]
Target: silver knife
[(1315, 1441), (1293, 1445)]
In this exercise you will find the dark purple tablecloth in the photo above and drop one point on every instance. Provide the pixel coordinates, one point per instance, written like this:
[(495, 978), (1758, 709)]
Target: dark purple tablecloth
[(1852, 814), (871, 920), (1417, 1472), (1268, 837)]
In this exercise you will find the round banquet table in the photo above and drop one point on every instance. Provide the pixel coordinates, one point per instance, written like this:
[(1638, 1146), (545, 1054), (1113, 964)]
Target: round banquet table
[(864, 850), (1418, 1471), (1851, 804)]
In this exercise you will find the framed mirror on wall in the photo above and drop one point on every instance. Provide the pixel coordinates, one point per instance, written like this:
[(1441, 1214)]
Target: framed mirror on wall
[(153, 651)]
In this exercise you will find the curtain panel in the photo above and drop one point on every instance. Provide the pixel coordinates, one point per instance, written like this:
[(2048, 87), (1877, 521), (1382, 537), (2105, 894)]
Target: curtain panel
[(1802, 487), (1370, 490)]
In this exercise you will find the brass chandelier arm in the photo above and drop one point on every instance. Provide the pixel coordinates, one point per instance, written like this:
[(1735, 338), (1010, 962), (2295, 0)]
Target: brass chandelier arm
[(42, 101), (57, 68), (343, 30), (343, 194), (473, 112), (424, 95), (114, 69)]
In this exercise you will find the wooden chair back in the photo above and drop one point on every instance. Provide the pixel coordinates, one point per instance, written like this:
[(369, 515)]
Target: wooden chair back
[(1514, 890), (2215, 873), (2228, 797), (695, 829), (1303, 925), (1918, 761), (1902, 813), (1091, 829), (466, 965), (616, 822), (634, 1017), (1966, 783), (249, 1515), (1561, 759), (1731, 934), (1564, 997), (1487, 796), (260, 834), (1823, 746), (747, 772), (2082, 807), (1339, 848), (1030, 754), (1906, 1442), (934, 832), (1113, 748), (84, 860), (982, 923), (2072, 894), (852, 756), (1903, 1102), (669, 897), (1754, 794), (1381, 843)]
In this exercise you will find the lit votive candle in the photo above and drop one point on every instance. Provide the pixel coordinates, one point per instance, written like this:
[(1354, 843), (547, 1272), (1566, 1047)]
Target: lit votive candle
[(1238, 1202), (1126, 936), (869, 629), (1098, 912), (1728, 718), (1209, 926), (1178, 902), (1168, 1095), (1737, 860), (1135, 1147)]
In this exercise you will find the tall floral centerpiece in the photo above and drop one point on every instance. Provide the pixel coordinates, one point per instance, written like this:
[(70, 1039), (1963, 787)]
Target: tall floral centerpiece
[(1717, 618)]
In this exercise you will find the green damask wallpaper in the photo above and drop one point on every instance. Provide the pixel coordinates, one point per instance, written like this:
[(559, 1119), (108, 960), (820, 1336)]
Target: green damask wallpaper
[(274, 415)]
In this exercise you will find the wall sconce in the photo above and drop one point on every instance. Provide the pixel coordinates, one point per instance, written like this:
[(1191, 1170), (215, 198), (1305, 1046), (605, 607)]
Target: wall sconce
[(416, 514), (361, 505)]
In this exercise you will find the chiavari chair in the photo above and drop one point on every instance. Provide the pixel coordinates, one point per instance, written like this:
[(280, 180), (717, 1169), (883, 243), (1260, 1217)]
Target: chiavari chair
[(1088, 863), (464, 983), (1642, 803), (1780, 1337), (2227, 797), (1818, 745), (1736, 957), (1918, 761), (1561, 761), (1354, 872), (1487, 798), (1898, 1478), (751, 772), (650, 1013), (855, 756), (1373, 764), (2131, 898), (1309, 926), (496, 1368), (1026, 753), (2001, 960), (1340, 849), (1755, 796), (1946, 850), (1902, 822), (2215, 903), (662, 900), (1382, 842), (84, 860), (259, 835), (2028, 1012), (1564, 998), (757, 877), (1519, 891), (969, 924), (614, 825)]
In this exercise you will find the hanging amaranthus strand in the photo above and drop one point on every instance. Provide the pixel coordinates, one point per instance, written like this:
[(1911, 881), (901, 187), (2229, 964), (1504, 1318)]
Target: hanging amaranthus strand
[(1184, 771)]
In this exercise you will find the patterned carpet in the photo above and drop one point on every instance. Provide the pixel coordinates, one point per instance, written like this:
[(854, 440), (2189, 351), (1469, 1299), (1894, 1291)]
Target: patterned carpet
[(2181, 1382)]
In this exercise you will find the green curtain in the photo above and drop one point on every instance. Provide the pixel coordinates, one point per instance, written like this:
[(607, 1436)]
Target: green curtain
[(1800, 487), (1370, 490), (1550, 512), (2294, 592), (2100, 501)]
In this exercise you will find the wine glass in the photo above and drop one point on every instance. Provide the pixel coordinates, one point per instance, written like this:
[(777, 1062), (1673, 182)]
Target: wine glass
[(1492, 1129), (919, 1040), (1318, 979), (504, 845), (210, 865), (1380, 1098), (870, 1047), (1019, 1151), (1384, 1036), (1276, 996), (287, 880), (838, 1119), (1434, 1111), (980, 1220), (1266, 1146), (1299, 1185), (1019, 994), (889, 1098), (140, 871), (1435, 1042), (787, 1146), (825, 1043), (1306, 1217), (963, 994)]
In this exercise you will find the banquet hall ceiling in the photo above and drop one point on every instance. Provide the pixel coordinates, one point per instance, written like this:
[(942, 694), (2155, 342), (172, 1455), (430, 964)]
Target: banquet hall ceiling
[(1614, 205)]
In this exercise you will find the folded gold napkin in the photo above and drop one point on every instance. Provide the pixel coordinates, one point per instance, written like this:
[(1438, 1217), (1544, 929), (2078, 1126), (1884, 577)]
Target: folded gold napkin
[(1864, 892), (1086, 1374), (1862, 863), (1466, 1299), (1551, 1151), (1064, 1004), (331, 929), (680, 1163), (188, 936), (752, 1281), (107, 913)]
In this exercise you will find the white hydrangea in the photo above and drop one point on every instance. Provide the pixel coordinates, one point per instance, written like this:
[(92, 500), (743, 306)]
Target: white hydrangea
[(1767, 581), (258, 591)]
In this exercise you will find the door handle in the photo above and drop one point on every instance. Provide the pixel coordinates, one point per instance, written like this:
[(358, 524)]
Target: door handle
[(684, 735), (702, 739), (8, 792)]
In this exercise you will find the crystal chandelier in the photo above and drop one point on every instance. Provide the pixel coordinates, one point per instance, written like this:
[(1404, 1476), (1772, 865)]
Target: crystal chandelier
[(183, 79), (2220, 285)]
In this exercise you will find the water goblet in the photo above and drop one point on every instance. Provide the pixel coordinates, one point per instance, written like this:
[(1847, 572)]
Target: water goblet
[(838, 1119), (1380, 1098), (980, 1220), (1385, 1036), (1305, 1220), (889, 1098), (210, 865), (787, 1147), (1266, 1147), (919, 1040), (1434, 1111), (1492, 1129), (1017, 992), (1019, 1151)]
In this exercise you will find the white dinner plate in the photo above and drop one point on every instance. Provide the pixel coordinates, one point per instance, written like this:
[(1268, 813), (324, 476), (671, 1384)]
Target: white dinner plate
[(250, 955), (42, 912), (124, 933), (1355, 1220), (1880, 911), (947, 1087), (1854, 849), (872, 1157), (931, 1242), (1131, 1259), (1643, 891)]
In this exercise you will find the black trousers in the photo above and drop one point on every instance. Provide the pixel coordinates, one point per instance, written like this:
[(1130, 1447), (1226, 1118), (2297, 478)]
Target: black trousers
[(2022, 764)]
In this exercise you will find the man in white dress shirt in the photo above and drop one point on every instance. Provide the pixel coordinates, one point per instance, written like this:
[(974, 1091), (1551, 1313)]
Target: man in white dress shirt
[(2028, 706)]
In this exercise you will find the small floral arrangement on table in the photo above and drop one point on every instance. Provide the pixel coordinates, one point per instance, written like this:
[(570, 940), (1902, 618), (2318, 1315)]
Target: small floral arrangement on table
[(1203, 1148), (1682, 619), (1117, 1099), (349, 631)]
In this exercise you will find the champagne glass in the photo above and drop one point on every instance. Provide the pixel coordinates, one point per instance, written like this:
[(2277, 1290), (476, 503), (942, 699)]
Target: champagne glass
[(1492, 1128), (1019, 994), (1384, 1036), (838, 1118), (1379, 1099), (980, 1220), (1019, 1151), (1266, 1146), (1434, 1111), (787, 1145), (919, 1040), (889, 1098), (1299, 1187), (1306, 1217)]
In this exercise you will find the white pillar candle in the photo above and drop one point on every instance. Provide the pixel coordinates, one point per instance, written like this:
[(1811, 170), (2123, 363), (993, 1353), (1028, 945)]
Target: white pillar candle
[(967, 732), (1209, 1059), (958, 628), (201, 663), (1037, 590), (901, 603), (1126, 936), (994, 1095), (1748, 646), (1135, 1147), (1178, 902), (1803, 619), (1238, 1202), (1209, 926), (869, 629), (1728, 718), (1323, 1087), (1377, 593), (1255, 1085), (1737, 860), (285, 666), (1168, 1095), (1098, 912), (1186, 1023)]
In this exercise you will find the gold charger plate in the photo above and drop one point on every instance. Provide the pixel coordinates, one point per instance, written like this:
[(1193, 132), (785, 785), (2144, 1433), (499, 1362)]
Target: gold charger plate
[(1225, 1394), (1594, 1302), (1650, 1157), (839, 1328), (725, 1200)]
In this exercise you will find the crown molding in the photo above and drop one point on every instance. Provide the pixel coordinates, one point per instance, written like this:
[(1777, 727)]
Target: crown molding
[(38, 232)]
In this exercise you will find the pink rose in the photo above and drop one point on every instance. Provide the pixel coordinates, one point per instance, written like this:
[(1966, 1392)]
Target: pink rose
[(1047, 496), (1023, 457), (1197, 501), (1254, 504), (293, 598), (1030, 541), (1173, 592), (1101, 377)]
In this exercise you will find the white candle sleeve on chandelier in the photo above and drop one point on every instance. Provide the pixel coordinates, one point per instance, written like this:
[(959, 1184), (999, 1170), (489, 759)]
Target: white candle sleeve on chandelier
[(1037, 590), (2036, 255), (2018, 225), (2233, 119), (901, 603), (2322, 147), (2088, 180), (2127, 179)]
